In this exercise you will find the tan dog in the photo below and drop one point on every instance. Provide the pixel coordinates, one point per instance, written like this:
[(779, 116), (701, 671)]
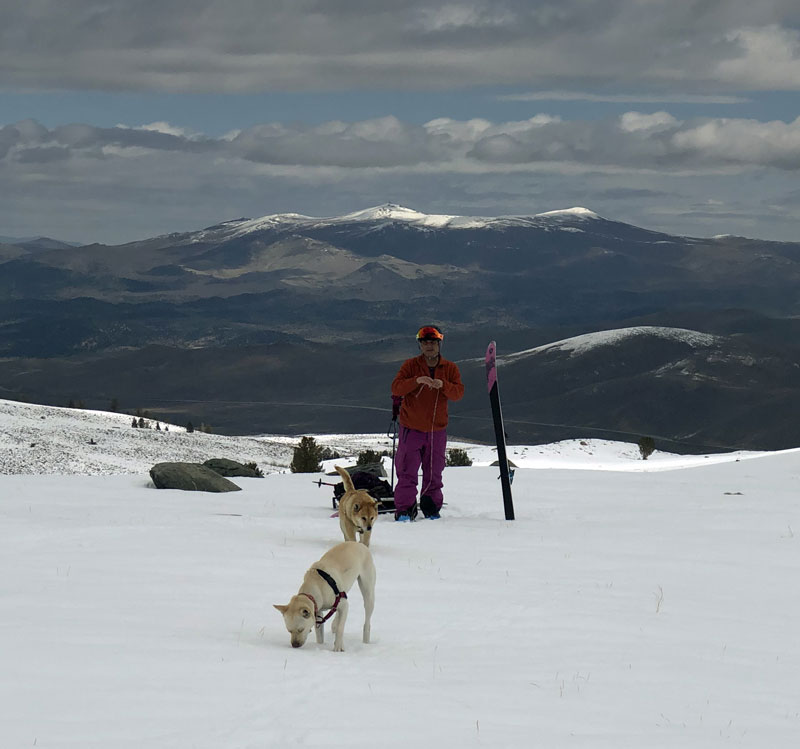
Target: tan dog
[(324, 588), (358, 510)]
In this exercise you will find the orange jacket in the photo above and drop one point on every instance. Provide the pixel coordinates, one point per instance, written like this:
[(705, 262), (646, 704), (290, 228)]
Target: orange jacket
[(422, 409)]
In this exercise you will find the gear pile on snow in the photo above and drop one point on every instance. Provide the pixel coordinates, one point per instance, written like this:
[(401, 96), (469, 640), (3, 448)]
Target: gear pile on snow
[(369, 478)]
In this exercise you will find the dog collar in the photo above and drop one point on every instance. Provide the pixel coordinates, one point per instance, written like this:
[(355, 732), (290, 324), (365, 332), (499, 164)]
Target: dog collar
[(311, 598)]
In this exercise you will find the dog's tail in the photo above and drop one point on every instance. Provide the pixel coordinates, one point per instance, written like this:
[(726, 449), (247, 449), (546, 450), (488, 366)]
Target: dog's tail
[(346, 480)]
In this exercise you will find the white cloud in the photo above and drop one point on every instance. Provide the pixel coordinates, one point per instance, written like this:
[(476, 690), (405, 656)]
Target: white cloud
[(469, 131), (745, 142), (632, 122), (165, 127), (458, 130), (458, 16)]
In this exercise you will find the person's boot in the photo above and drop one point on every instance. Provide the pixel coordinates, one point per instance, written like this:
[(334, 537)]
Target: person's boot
[(429, 509), (406, 516)]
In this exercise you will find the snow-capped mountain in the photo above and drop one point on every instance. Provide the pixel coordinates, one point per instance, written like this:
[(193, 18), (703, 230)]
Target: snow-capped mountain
[(391, 212)]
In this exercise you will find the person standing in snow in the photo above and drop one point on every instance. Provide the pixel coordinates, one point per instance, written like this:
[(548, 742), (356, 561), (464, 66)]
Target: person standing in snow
[(426, 383)]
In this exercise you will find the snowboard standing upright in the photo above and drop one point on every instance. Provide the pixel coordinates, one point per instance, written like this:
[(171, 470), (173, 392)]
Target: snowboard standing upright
[(499, 432)]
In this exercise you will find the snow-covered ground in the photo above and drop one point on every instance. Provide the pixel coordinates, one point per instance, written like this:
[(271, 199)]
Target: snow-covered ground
[(38, 439), (622, 608)]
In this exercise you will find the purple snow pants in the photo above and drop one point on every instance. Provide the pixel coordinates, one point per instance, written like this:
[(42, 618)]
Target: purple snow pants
[(415, 449)]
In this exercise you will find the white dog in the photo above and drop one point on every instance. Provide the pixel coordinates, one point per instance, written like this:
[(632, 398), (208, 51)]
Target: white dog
[(324, 588)]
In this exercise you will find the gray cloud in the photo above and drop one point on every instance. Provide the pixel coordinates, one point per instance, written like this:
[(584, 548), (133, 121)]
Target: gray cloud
[(632, 193), (37, 155), (81, 182), (384, 142), (312, 45), (624, 98), (633, 142)]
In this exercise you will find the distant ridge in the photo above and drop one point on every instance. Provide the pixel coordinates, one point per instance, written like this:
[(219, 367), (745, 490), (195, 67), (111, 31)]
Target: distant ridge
[(296, 322), (38, 243)]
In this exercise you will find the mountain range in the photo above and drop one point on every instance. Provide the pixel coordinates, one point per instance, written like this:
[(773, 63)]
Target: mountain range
[(295, 324)]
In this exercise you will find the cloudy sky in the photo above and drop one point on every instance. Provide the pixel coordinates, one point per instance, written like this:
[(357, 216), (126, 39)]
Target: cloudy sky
[(124, 119)]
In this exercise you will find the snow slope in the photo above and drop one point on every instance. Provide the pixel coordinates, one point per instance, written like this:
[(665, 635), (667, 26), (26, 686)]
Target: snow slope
[(648, 609), (582, 343), (46, 439)]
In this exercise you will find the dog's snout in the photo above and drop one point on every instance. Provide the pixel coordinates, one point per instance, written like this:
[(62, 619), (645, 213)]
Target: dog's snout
[(296, 644)]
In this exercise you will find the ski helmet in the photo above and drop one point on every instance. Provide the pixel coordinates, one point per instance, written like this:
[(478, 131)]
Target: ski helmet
[(430, 333)]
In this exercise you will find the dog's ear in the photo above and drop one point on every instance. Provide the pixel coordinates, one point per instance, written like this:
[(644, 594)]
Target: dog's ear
[(280, 608)]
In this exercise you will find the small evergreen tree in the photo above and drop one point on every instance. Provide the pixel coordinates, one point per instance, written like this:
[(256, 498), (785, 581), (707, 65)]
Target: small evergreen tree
[(647, 446), (142, 424), (134, 423), (457, 457), (254, 467), (189, 427), (306, 457), (367, 457)]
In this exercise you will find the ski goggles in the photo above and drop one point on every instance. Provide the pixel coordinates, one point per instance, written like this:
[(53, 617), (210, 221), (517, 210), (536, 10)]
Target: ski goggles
[(429, 333)]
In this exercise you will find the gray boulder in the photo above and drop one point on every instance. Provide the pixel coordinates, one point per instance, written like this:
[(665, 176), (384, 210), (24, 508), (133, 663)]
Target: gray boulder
[(192, 477), (226, 467)]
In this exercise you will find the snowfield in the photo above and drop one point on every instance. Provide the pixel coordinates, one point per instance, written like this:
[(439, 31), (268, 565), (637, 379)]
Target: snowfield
[(588, 341), (631, 603)]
